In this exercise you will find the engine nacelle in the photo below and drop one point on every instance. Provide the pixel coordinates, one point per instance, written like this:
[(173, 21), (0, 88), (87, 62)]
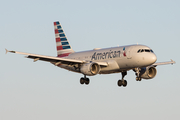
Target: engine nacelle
[(148, 72), (90, 69)]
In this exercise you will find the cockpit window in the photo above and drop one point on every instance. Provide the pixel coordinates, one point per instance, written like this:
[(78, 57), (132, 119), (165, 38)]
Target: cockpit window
[(139, 50), (152, 51), (144, 50)]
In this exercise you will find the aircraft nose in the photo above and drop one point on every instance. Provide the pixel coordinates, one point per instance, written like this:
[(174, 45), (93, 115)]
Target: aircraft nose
[(153, 58)]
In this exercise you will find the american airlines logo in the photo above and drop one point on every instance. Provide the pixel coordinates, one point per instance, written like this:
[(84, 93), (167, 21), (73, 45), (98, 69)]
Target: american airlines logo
[(124, 52), (106, 55)]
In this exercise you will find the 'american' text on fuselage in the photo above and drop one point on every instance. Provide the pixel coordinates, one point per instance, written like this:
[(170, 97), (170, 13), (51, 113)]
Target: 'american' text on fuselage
[(106, 55)]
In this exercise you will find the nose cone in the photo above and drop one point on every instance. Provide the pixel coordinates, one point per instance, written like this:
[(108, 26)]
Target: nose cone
[(146, 59), (152, 58)]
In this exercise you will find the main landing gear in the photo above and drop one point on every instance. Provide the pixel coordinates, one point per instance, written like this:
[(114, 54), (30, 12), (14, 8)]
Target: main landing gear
[(122, 82), (84, 80)]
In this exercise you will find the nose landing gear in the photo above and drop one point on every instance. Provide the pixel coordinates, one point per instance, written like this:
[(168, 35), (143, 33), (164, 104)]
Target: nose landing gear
[(138, 79), (137, 70)]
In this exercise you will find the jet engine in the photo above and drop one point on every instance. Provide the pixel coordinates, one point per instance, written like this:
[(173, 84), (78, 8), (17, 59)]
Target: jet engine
[(148, 72), (90, 69)]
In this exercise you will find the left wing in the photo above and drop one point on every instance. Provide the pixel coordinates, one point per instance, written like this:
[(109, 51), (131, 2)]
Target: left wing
[(163, 63), (54, 60)]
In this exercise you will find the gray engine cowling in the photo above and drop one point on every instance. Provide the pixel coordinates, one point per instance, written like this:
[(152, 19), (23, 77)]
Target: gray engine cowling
[(90, 69), (148, 72)]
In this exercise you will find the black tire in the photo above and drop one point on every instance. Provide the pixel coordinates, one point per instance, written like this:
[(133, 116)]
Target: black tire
[(87, 81), (82, 81), (119, 83), (124, 83), (138, 79)]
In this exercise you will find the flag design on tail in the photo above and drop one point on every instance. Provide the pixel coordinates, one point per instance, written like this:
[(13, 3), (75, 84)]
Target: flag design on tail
[(62, 43)]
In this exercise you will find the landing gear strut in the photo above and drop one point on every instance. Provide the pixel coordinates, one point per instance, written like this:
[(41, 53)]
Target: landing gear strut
[(137, 70), (84, 80), (122, 82)]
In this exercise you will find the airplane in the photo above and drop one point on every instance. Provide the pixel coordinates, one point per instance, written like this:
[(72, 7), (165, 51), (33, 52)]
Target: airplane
[(139, 58)]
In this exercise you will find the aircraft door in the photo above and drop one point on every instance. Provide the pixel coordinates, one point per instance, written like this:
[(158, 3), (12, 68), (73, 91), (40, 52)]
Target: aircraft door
[(129, 52)]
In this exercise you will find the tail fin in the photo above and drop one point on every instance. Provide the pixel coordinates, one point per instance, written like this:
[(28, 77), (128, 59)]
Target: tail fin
[(62, 44)]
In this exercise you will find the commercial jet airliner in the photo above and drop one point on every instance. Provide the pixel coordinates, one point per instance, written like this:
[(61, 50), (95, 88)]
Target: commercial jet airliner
[(139, 58)]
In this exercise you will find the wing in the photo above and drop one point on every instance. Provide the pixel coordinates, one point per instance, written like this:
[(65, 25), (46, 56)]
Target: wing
[(163, 63), (54, 60)]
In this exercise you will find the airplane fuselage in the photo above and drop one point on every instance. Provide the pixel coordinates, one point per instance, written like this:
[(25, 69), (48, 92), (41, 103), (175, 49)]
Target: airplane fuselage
[(119, 59)]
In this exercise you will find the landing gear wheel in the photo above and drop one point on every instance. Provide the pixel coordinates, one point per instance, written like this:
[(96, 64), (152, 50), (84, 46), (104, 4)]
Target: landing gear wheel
[(124, 83), (138, 79), (119, 83), (82, 80), (87, 81)]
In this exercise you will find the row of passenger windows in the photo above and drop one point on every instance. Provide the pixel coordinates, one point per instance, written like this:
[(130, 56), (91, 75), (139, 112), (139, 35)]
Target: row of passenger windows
[(86, 57), (144, 50)]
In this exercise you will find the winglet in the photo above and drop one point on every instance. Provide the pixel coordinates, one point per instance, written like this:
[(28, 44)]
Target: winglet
[(6, 50), (173, 62), (10, 51)]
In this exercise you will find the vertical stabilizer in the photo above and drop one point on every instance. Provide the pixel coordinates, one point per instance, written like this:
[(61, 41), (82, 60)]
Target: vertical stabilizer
[(62, 43)]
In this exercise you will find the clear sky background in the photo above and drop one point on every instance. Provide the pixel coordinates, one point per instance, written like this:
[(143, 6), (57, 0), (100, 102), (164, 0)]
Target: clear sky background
[(41, 91)]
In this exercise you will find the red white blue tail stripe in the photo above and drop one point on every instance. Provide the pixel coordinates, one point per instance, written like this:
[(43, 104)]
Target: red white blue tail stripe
[(62, 44)]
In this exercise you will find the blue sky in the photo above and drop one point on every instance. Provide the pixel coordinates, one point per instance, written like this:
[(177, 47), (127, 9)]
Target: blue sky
[(35, 91)]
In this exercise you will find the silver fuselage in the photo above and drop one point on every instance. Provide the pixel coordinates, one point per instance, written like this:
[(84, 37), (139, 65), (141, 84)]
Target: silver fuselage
[(119, 59)]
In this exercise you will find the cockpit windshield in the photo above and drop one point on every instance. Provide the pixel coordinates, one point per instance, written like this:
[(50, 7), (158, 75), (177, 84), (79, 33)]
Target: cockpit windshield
[(145, 50)]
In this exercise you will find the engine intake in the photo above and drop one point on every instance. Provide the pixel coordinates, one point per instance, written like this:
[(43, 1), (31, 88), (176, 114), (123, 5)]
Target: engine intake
[(148, 72), (90, 69)]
